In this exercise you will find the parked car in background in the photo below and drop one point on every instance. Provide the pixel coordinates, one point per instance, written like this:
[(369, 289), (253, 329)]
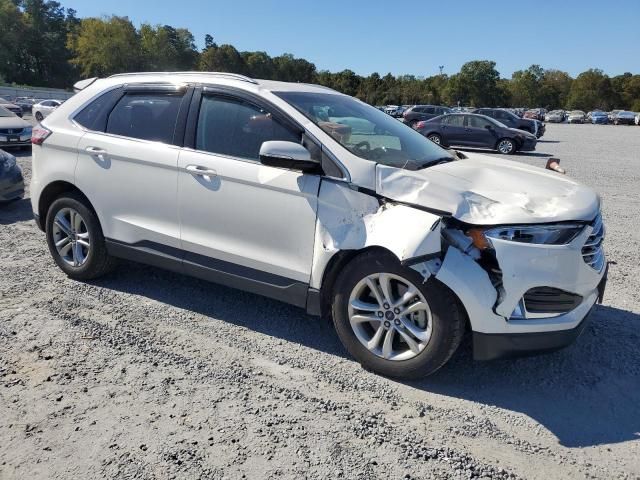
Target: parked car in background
[(41, 110), (575, 116), (599, 117), (511, 120), (12, 107), (393, 110), (637, 119), (555, 116), (11, 181), (14, 131), (535, 113), (612, 115), (423, 112), (135, 166), (478, 131), (25, 103), (624, 117)]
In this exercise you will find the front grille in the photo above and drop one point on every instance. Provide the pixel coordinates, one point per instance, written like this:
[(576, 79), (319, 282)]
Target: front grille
[(592, 251), (11, 131), (550, 300)]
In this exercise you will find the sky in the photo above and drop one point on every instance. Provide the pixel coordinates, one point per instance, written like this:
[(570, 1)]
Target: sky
[(407, 37)]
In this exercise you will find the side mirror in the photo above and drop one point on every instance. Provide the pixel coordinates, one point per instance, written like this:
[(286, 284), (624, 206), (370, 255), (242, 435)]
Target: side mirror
[(489, 127), (277, 153)]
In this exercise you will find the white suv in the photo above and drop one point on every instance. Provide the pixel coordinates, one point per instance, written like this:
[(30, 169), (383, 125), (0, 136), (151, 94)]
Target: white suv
[(311, 197)]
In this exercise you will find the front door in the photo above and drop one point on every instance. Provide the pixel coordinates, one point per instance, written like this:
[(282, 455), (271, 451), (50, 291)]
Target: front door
[(248, 222)]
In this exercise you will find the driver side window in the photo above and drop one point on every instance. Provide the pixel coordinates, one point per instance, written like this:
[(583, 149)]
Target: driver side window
[(237, 128)]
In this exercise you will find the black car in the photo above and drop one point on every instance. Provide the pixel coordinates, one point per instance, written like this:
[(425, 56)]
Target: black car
[(11, 182), (25, 103), (511, 120), (418, 113), (479, 131)]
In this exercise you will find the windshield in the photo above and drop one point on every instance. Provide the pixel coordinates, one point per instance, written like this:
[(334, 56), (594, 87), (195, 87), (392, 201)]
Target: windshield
[(6, 113), (366, 131)]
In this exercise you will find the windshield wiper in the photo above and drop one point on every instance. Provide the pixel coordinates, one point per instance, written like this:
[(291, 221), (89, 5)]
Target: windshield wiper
[(437, 161)]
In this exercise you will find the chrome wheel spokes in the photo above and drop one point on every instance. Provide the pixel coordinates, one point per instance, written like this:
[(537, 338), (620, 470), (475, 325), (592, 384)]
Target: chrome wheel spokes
[(390, 316), (71, 237)]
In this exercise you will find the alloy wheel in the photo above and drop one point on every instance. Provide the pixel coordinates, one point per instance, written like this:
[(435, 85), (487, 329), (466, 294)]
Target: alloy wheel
[(505, 146), (390, 316), (435, 139), (71, 237)]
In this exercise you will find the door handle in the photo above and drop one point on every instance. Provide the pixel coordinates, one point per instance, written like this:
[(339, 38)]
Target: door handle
[(95, 151), (202, 171)]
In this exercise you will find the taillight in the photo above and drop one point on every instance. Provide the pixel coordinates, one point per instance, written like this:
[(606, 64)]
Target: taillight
[(39, 134), (420, 124)]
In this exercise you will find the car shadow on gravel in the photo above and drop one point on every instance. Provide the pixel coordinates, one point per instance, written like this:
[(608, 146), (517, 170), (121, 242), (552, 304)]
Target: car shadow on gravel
[(236, 307), (15, 211), (586, 394)]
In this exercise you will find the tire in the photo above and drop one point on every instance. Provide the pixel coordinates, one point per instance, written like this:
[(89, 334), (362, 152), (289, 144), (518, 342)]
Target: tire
[(84, 256), (506, 146), (440, 325), (435, 138), (39, 116)]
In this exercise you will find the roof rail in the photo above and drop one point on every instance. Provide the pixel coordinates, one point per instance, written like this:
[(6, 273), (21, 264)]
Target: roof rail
[(234, 76)]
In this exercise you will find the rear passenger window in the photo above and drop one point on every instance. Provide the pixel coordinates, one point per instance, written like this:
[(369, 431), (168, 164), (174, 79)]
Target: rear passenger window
[(94, 116), (148, 116), (236, 128), (454, 120)]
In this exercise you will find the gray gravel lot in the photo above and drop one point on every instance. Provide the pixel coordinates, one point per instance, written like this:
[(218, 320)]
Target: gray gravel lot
[(147, 374)]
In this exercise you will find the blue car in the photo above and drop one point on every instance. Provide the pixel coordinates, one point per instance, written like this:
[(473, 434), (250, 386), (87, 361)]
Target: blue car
[(599, 118)]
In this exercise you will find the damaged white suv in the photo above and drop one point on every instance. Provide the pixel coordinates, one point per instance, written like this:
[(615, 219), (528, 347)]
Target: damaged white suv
[(308, 196)]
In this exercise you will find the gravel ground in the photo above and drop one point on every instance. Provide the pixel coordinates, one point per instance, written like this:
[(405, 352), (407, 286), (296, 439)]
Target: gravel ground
[(147, 374)]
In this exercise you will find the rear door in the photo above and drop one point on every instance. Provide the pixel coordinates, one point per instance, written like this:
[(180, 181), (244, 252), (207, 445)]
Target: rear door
[(127, 163), (243, 223), (452, 129)]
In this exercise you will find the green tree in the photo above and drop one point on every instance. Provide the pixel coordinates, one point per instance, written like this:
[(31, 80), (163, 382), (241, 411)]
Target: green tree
[(481, 82), (104, 46), (224, 58), (525, 87), (590, 90), (12, 51), (166, 48), (556, 85), (259, 65)]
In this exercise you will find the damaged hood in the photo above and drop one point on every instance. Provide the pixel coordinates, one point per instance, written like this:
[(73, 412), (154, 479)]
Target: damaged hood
[(485, 191)]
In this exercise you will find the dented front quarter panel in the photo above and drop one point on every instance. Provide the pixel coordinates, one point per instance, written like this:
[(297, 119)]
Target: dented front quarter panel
[(352, 220)]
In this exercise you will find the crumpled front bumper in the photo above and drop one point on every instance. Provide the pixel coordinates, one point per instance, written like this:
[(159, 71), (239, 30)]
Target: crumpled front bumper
[(496, 330)]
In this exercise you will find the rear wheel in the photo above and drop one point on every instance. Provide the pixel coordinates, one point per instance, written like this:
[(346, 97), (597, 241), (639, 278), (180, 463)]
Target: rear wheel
[(506, 146), (75, 239), (393, 322), (435, 138)]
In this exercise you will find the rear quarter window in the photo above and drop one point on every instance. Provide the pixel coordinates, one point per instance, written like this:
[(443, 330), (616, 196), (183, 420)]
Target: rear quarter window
[(94, 115), (147, 116)]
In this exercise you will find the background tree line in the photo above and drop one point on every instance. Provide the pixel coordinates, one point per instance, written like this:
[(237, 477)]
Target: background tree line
[(44, 44)]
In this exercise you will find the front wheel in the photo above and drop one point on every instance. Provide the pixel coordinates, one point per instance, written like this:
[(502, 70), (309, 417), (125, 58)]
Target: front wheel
[(75, 239), (435, 138), (393, 322), (506, 146), (39, 116)]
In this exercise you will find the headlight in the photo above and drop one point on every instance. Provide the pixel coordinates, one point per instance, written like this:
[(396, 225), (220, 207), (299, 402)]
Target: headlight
[(559, 234)]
